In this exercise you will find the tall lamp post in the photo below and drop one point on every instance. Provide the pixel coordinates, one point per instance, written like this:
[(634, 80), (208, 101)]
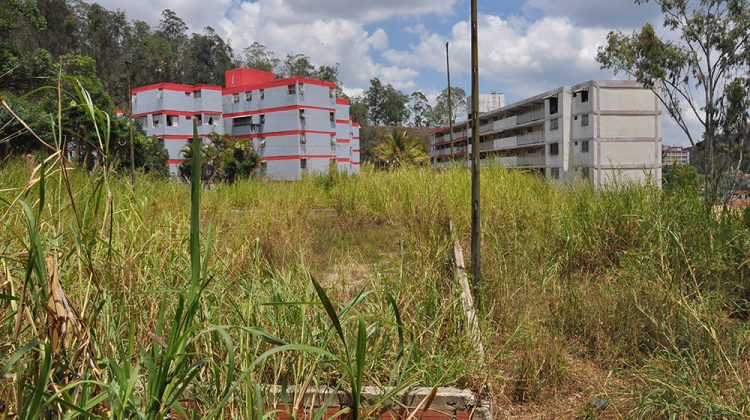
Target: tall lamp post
[(475, 221), (450, 104), (129, 64)]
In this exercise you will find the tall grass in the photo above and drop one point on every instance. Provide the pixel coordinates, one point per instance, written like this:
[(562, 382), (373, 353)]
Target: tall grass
[(628, 297)]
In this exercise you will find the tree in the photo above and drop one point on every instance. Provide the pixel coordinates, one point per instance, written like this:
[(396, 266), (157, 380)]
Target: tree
[(21, 59), (711, 55), (385, 104), (258, 57), (359, 112), (224, 159), (399, 149), (420, 109), (438, 117), (209, 58), (173, 30), (297, 65), (150, 156)]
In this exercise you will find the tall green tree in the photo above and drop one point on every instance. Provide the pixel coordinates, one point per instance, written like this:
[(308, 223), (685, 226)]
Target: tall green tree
[(297, 65), (385, 104), (692, 71), (174, 31), (359, 112), (438, 115), (258, 57), (420, 109), (398, 149), (21, 58), (208, 58)]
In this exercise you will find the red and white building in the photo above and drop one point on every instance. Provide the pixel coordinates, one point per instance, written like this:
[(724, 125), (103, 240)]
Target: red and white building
[(297, 125)]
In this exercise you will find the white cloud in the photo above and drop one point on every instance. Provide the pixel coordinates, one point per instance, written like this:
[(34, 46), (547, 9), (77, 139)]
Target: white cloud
[(596, 13)]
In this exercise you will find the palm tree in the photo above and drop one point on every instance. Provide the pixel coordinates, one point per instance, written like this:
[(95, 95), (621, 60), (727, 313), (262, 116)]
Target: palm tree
[(399, 149)]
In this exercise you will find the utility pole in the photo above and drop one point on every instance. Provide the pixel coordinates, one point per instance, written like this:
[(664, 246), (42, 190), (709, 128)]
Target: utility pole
[(475, 221), (450, 104), (129, 64)]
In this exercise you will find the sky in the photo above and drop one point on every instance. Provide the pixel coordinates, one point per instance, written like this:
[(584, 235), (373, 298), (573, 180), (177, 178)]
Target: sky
[(526, 46)]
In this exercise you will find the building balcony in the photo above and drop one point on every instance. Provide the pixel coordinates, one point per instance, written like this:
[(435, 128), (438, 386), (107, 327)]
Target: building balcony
[(531, 161)]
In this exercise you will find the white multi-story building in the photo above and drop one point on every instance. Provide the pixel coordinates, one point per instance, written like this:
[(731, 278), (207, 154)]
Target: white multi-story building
[(603, 131), (675, 155), (297, 125)]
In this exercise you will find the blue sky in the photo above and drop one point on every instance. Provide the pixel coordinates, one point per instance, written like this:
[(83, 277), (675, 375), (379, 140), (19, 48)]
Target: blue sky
[(526, 46)]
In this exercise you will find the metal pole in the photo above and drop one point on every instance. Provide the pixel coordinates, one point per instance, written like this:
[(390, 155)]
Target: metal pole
[(450, 104), (475, 221), (130, 126)]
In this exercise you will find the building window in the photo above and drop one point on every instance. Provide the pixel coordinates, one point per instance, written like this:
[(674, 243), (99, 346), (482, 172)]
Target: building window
[(585, 146), (262, 119), (199, 117), (292, 89), (236, 98), (187, 93), (585, 172), (210, 120), (173, 121), (243, 121), (196, 94), (554, 173), (156, 119), (553, 105), (554, 124), (262, 94), (584, 120), (331, 93), (301, 88), (554, 149), (303, 138), (332, 117), (248, 96), (584, 96), (303, 164), (302, 114)]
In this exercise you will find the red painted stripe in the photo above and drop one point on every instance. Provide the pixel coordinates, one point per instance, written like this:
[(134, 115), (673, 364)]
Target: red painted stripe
[(173, 137), (448, 141), (174, 112), (355, 138), (355, 150), (342, 101), (343, 141), (344, 160), (346, 122), (278, 83), (175, 161), (174, 87), (356, 125), (296, 157), (277, 109), (282, 133), (355, 163)]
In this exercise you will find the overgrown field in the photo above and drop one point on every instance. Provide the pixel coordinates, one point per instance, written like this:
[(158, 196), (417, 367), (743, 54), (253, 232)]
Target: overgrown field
[(626, 302)]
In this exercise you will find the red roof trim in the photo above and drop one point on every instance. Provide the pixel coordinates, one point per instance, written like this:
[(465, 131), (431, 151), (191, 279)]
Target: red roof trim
[(278, 83), (345, 122), (278, 109), (343, 141), (342, 101), (356, 124), (175, 87), (296, 157), (175, 161), (282, 133), (355, 163), (355, 150), (344, 160), (173, 112), (173, 137)]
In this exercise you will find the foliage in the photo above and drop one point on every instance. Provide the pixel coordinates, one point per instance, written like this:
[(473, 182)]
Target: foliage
[(358, 110), (150, 156), (399, 149), (258, 57), (680, 179), (438, 115), (420, 109), (225, 159), (385, 104), (711, 54)]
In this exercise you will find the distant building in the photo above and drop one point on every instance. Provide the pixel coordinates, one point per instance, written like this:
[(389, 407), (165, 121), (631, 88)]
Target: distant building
[(598, 130), (297, 125), (673, 154), (487, 102)]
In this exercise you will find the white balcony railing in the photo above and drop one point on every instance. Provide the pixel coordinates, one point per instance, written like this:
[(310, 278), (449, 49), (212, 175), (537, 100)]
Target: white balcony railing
[(531, 160)]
